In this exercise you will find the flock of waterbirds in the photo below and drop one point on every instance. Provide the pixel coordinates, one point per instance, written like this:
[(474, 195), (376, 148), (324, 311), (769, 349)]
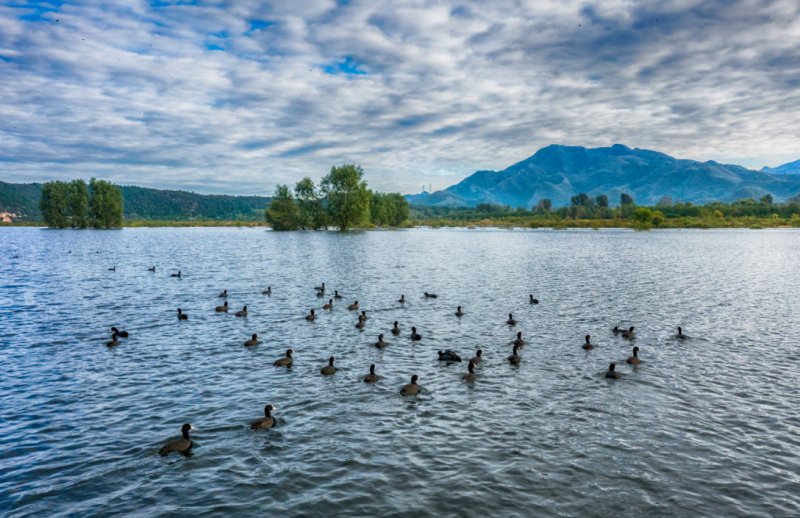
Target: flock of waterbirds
[(184, 444)]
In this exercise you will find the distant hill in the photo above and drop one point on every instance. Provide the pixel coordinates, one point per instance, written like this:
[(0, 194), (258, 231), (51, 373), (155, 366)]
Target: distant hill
[(560, 172), (790, 168), (146, 204)]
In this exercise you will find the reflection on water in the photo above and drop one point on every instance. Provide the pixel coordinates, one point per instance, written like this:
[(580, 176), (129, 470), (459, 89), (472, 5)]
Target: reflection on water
[(704, 426)]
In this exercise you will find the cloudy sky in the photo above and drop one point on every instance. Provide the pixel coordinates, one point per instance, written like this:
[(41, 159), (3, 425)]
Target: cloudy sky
[(237, 96)]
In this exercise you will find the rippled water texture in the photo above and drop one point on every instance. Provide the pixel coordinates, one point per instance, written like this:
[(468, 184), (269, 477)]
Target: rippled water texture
[(708, 426)]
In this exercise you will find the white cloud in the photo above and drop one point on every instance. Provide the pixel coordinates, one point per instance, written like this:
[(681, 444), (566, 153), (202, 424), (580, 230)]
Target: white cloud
[(235, 98)]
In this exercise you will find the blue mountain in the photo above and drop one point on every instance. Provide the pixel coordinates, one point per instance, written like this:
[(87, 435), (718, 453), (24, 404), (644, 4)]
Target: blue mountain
[(560, 172), (790, 168)]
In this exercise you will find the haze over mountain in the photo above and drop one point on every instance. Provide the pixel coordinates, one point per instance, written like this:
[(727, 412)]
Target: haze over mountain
[(790, 168), (559, 172)]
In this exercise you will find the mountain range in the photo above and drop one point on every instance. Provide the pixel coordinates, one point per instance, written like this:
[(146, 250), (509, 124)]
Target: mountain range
[(559, 172)]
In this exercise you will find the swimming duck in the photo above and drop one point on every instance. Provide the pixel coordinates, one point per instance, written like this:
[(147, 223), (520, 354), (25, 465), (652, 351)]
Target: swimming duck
[(469, 377), (152, 269), (182, 315), (112, 269), (430, 295), (515, 358), (414, 335), (285, 362), (265, 422), (477, 358), (361, 322), (511, 320), (267, 291), (329, 305), (371, 377), (222, 308), (459, 313), (396, 328), (449, 356), (588, 344), (611, 373), (242, 312), (629, 334), (176, 274), (223, 295), (353, 306), (519, 342), (679, 336), (113, 341), (411, 389), (253, 341), (402, 299), (336, 294), (121, 334), (617, 330), (532, 300), (182, 445), (311, 316), (328, 370), (380, 344), (321, 288), (364, 315), (634, 360)]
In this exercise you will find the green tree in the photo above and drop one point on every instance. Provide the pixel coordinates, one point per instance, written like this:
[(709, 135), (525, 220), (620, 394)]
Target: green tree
[(544, 206), (601, 200), (283, 213), (766, 199), (78, 204), (309, 201), (388, 209), (625, 199), (347, 196), (54, 204), (105, 204), (581, 200)]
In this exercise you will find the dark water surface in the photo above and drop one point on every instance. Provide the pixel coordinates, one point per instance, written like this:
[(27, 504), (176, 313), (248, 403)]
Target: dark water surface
[(709, 426)]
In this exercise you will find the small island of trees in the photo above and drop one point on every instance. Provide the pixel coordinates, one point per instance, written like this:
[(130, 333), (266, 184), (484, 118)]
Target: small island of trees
[(78, 205), (342, 200)]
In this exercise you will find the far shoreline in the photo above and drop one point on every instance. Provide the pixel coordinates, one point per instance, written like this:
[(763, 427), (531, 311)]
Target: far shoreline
[(469, 225)]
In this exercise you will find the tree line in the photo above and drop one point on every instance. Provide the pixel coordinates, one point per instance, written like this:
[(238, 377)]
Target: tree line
[(342, 199), (596, 210), (77, 204)]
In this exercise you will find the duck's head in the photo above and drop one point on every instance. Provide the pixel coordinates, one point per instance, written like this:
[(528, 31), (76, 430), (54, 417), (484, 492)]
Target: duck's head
[(471, 367), (255, 336), (372, 369), (611, 367), (331, 360), (479, 353), (588, 337), (414, 379), (636, 351), (289, 353), (268, 410)]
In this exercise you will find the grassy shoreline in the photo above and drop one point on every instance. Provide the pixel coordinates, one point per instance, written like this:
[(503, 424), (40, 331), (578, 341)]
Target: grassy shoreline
[(511, 222)]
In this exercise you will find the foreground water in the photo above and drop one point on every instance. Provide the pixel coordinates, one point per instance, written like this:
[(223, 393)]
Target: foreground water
[(708, 426)]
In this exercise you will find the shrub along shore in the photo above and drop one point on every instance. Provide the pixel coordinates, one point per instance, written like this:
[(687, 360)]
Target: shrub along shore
[(342, 200)]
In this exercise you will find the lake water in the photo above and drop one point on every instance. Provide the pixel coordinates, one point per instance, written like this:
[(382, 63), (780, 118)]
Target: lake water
[(707, 426)]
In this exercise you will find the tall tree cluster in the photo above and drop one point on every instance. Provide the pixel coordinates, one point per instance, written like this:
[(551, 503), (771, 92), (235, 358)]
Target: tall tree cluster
[(78, 205), (342, 199)]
